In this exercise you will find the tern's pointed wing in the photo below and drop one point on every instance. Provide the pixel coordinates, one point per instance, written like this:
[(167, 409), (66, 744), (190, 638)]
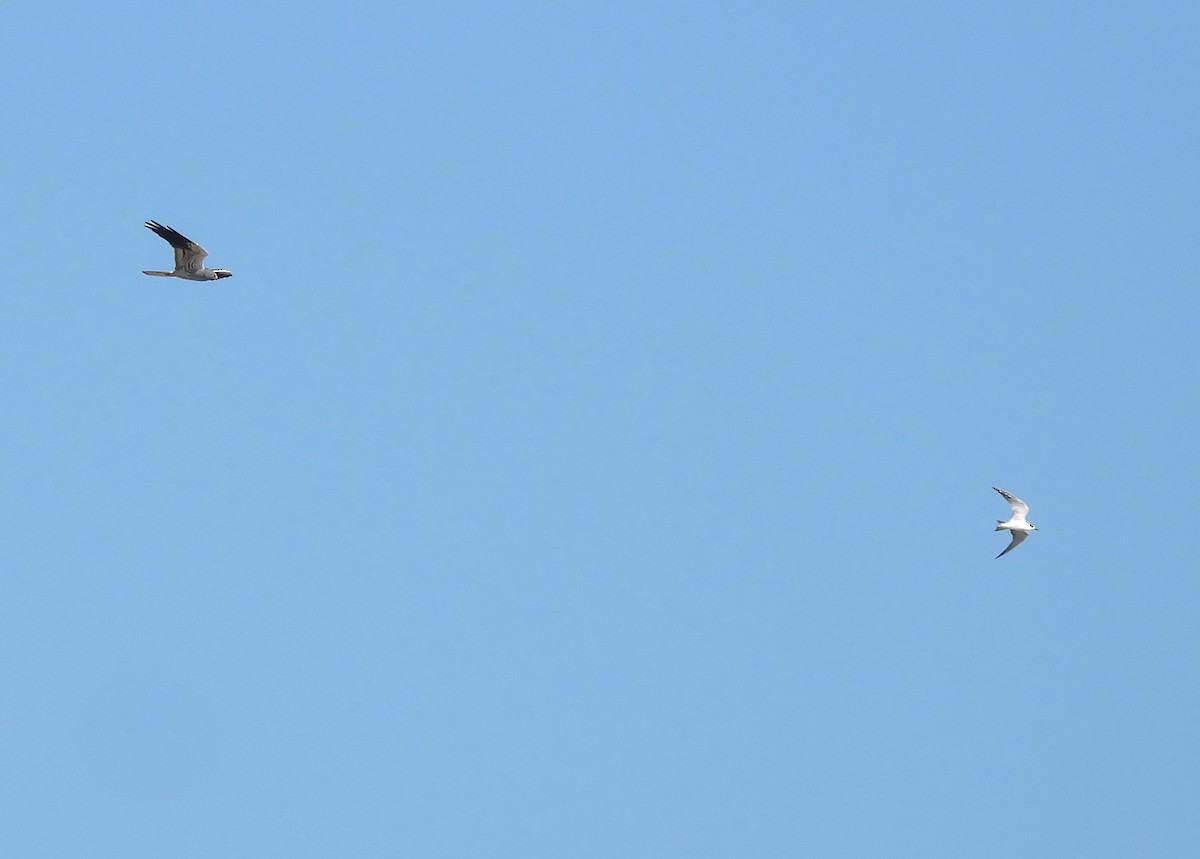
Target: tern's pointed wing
[(1019, 507), (1018, 536), (189, 256)]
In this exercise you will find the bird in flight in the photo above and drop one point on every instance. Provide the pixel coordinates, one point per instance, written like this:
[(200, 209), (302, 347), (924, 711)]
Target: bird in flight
[(189, 256), (1016, 523)]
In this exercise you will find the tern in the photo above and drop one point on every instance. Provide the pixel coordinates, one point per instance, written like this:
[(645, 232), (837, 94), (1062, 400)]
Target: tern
[(1016, 524), (189, 256)]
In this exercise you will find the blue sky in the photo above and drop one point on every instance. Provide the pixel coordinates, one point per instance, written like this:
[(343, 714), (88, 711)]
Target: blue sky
[(592, 453)]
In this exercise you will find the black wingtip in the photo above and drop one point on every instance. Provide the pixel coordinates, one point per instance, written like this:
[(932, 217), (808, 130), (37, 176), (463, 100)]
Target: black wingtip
[(169, 234)]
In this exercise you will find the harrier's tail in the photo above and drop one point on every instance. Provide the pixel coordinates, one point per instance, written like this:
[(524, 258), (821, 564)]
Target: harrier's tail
[(160, 273)]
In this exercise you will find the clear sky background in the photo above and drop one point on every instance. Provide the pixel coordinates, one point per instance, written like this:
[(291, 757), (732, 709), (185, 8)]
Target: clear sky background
[(592, 453)]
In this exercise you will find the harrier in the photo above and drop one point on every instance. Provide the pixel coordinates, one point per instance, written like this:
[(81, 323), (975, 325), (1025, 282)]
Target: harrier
[(189, 256)]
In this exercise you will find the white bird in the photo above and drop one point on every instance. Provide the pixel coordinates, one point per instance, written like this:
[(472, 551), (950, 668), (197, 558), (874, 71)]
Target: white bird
[(189, 257), (1016, 524)]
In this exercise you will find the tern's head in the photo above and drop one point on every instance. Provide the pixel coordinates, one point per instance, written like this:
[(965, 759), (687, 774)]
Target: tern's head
[(222, 272), (1032, 527)]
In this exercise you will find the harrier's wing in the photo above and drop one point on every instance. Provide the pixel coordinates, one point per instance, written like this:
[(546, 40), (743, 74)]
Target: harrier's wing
[(189, 256)]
